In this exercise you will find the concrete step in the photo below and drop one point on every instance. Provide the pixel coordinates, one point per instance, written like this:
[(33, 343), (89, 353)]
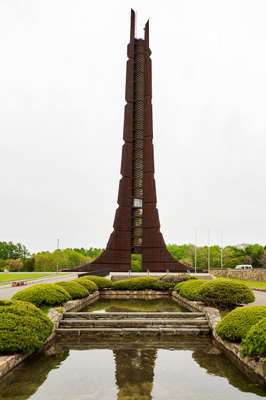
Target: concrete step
[(133, 323), (133, 315), (93, 333)]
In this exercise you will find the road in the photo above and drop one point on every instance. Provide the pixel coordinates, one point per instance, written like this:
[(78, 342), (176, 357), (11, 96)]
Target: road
[(6, 292), (260, 298)]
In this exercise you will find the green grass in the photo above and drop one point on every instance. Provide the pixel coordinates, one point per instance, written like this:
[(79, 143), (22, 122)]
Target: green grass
[(18, 276), (251, 284)]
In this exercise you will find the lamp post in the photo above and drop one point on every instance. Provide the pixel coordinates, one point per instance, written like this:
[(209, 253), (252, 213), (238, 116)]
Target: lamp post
[(57, 247), (209, 251), (195, 255), (222, 261)]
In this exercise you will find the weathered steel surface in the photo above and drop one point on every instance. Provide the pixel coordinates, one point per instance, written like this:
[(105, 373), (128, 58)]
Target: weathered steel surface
[(136, 224)]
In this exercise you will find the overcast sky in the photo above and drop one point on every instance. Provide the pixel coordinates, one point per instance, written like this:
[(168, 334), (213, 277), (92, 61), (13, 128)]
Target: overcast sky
[(62, 81)]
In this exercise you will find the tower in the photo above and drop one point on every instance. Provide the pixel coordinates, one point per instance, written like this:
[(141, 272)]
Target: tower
[(136, 224)]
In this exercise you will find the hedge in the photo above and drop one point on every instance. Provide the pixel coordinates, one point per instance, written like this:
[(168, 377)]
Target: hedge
[(235, 325), (23, 327), (174, 279), (101, 282), (225, 293), (86, 283), (145, 283), (255, 342), (43, 294), (74, 289), (190, 289)]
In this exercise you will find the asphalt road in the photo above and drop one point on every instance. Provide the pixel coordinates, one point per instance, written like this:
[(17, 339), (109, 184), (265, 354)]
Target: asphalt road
[(6, 292), (260, 298)]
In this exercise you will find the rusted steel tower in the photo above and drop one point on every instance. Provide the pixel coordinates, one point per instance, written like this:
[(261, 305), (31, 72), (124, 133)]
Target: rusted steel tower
[(136, 224)]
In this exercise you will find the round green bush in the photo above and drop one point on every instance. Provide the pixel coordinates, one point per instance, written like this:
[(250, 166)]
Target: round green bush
[(226, 293), (190, 288), (101, 282), (174, 279), (23, 327), (235, 325), (255, 342), (145, 283), (85, 282), (74, 289), (43, 294)]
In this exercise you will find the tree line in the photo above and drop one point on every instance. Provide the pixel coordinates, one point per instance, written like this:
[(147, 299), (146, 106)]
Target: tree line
[(16, 257)]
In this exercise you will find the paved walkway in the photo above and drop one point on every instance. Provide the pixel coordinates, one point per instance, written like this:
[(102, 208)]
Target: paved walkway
[(260, 298), (6, 292)]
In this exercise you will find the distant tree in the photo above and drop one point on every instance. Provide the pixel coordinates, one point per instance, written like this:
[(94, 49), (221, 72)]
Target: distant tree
[(14, 265), (28, 264), (10, 250), (262, 260), (59, 259), (254, 252)]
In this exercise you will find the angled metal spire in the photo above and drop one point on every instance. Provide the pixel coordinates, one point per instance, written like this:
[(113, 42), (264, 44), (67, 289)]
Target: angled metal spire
[(132, 25), (147, 34)]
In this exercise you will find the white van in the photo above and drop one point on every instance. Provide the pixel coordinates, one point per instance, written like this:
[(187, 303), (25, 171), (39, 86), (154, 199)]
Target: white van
[(244, 266)]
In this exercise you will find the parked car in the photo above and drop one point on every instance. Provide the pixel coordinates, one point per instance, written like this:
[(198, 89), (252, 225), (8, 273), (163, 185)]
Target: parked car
[(244, 266)]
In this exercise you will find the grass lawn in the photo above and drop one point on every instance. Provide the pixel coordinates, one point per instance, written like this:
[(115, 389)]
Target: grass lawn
[(17, 276), (252, 284)]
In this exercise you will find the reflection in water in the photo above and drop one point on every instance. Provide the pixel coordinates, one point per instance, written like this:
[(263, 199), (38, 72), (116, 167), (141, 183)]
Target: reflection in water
[(24, 380), (134, 373), (147, 370), (218, 365), (135, 305)]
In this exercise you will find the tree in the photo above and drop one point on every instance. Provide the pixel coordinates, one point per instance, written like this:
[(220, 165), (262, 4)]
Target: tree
[(10, 250), (14, 265)]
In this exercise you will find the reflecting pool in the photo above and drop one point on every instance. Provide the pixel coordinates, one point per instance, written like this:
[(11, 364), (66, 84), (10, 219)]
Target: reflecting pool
[(187, 370), (135, 305)]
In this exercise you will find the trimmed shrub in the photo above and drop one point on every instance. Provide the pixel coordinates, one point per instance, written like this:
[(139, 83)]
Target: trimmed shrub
[(235, 325), (145, 283), (43, 294), (255, 342), (23, 327), (74, 289), (190, 289), (101, 282), (226, 293), (86, 283), (174, 279)]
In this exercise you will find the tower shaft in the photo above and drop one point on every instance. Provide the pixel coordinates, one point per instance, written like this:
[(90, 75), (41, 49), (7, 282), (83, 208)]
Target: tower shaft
[(136, 224)]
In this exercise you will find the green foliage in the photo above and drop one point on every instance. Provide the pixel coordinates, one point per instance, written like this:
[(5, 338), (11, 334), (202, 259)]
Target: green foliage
[(92, 252), (14, 265), (180, 252), (235, 325), (28, 264), (43, 294), (145, 283), (23, 327), (59, 259), (74, 289), (101, 282), (226, 293), (177, 278), (255, 342), (85, 282), (190, 288), (10, 250), (136, 263)]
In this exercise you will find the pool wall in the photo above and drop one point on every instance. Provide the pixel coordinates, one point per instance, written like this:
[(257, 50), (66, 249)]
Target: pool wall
[(254, 368)]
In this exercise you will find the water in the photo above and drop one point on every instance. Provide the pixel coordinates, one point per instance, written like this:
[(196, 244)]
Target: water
[(145, 370), (134, 305)]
